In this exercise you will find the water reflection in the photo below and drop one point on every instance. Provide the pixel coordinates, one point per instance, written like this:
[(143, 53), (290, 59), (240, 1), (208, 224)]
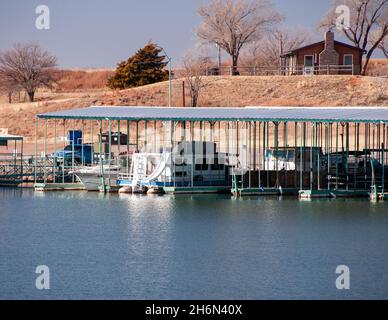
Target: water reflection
[(190, 246)]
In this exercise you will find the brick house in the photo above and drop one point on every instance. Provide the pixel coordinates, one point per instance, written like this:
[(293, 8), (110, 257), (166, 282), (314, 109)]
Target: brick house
[(325, 57)]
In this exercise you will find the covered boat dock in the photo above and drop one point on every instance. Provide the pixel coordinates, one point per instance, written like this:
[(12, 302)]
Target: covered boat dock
[(306, 151), (11, 159)]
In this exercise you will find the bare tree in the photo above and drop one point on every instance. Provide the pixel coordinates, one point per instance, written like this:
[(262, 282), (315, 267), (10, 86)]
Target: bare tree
[(367, 17), (195, 71), (234, 24), (29, 67), (8, 87), (267, 51)]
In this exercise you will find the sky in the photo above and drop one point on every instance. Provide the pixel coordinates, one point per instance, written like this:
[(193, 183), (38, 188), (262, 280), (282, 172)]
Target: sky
[(100, 33)]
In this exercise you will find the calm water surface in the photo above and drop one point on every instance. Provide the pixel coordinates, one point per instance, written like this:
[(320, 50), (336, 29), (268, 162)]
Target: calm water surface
[(189, 247)]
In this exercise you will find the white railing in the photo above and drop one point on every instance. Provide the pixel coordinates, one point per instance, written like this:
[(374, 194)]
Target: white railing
[(285, 71)]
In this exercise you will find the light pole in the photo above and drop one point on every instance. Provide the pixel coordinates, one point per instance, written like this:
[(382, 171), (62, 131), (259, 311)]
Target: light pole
[(219, 58), (169, 76)]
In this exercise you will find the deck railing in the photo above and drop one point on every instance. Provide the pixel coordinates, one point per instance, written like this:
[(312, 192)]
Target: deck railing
[(285, 71)]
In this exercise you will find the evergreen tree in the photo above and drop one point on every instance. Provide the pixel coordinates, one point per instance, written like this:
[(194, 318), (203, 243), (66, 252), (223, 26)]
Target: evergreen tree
[(146, 66)]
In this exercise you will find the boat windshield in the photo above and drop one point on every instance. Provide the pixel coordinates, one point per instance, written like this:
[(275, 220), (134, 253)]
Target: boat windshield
[(70, 148), (284, 155)]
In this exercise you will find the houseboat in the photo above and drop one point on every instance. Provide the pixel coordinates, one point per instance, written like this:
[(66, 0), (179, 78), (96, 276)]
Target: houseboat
[(175, 168)]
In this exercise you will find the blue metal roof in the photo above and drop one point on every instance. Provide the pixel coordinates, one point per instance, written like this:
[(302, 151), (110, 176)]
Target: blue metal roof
[(10, 137), (300, 114)]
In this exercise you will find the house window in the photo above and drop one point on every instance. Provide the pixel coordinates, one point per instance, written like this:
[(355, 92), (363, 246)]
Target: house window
[(308, 61), (348, 59)]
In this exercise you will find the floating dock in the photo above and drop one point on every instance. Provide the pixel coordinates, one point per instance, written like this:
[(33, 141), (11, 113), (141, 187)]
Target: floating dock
[(196, 190), (43, 187)]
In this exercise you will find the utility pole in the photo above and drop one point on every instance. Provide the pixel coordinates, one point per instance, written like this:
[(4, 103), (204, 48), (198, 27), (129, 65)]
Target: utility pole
[(183, 94), (219, 59), (169, 76), (169, 83)]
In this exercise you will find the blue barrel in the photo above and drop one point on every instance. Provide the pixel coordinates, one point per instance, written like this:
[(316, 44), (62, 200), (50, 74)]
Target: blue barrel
[(75, 135)]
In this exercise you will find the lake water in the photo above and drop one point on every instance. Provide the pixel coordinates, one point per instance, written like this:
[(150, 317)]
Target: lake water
[(190, 247)]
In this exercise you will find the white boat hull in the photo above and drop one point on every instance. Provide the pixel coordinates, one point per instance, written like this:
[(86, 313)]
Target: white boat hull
[(91, 178), (92, 182)]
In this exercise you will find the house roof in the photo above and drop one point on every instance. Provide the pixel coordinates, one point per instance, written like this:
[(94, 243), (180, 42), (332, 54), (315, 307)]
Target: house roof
[(295, 51), (265, 114)]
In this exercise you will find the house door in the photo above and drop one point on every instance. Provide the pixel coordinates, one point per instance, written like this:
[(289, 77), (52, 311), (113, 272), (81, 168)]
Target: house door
[(308, 65)]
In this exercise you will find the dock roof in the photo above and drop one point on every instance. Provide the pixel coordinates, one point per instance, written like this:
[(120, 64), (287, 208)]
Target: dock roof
[(10, 137), (265, 114)]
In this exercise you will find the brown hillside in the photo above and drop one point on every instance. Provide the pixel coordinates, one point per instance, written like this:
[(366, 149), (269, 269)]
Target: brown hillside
[(271, 91), (221, 91), (72, 80)]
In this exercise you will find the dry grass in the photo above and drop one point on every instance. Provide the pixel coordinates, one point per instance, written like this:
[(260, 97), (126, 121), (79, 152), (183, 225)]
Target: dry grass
[(378, 68), (271, 91), (73, 80)]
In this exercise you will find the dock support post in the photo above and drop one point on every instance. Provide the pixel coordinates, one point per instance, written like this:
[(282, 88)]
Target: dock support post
[(92, 139), (21, 161), (318, 139), (255, 145), (301, 158), (83, 142), (145, 136), (267, 143), (249, 155), (384, 162), (73, 151), (235, 152), (295, 154), (240, 136), (155, 136), (55, 150), (366, 154), (337, 156), (276, 142), (110, 160), (118, 147), (264, 150), (183, 139), (45, 151), (36, 151), (101, 160), (355, 157), (329, 137), (137, 137), (175, 145), (383, 169), (285, 138), (259, 157), (312, 127), (64, 146), (347, 156), (192, 125)]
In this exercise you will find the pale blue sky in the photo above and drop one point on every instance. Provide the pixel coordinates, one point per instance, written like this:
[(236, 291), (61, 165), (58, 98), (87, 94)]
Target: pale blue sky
[(99, 33)]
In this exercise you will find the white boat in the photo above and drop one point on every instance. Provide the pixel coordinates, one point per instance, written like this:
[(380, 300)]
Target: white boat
[(168, 169), (294, 158), (92, 178)]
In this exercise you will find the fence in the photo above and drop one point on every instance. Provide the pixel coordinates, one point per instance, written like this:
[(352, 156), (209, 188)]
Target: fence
[(283, 71)]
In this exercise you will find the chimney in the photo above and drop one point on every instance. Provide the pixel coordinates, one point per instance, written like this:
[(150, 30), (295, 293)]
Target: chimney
[(329, 56), (329, 40)]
